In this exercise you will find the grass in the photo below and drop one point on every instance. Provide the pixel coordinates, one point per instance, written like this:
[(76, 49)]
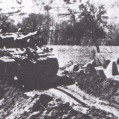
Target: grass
[(68, 55)]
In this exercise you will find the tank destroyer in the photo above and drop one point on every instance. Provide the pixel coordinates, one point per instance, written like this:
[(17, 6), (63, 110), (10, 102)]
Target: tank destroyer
[(24, 61)]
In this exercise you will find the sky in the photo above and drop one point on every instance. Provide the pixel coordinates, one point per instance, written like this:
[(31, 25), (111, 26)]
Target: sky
[(29, 6)]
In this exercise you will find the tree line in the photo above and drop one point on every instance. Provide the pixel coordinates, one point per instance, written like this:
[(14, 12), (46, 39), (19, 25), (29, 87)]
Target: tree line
[(90, 28)]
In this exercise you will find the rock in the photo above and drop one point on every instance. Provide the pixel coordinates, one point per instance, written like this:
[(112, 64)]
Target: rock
[(37, 106), (106, 63), (54, 113), (45, 99), (84, 116), (51, 104), (65, 106), (73, 112), (118, 61), (64, 73), (42, 102), (58, 102), (101, 73), (114, 69), (76, 67)]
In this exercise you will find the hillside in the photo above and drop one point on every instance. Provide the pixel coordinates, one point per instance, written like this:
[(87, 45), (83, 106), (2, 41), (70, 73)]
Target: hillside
[(59, 9)]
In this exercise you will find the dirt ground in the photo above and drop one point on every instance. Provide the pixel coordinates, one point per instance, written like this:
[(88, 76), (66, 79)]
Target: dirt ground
[(15, 104)]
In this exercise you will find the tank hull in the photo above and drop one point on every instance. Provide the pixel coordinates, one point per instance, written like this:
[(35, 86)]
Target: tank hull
[(29, 72)]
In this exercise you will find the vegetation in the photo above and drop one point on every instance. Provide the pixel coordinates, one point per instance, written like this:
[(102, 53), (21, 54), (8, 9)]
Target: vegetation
[(94, 21), (38, 22), (91, 25), (89, 29), (6, 25), (113, 34)]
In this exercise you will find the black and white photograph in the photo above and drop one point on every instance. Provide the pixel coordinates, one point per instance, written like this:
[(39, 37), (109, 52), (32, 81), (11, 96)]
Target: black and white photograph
[(59, 59)]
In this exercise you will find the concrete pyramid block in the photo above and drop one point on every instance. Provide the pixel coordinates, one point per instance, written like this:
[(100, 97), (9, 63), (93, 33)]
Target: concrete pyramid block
[(106, 63), (111, 70), (114, 69), (118, 61), (101, 73), (72, 68), (91, 62)]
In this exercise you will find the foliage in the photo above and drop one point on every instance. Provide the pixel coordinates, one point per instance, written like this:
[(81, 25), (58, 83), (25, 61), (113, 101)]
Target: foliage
[(113, 34), (94, 20), (37, 22), (70, 34), (31, 23), (6, 25), (90, 25), (64, 33)]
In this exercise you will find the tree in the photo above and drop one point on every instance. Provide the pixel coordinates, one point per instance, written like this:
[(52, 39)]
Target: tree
[(31, 23), (74, 30), (94, 21), (113, 34), (78, 32), (65, 33), (6, 25), (36, 22)]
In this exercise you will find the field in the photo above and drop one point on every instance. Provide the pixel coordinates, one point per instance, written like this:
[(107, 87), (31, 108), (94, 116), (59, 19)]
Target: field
[(82, 54)]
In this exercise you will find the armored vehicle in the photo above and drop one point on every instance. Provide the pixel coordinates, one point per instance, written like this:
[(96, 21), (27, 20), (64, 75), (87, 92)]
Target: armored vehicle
[(23, 61)]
